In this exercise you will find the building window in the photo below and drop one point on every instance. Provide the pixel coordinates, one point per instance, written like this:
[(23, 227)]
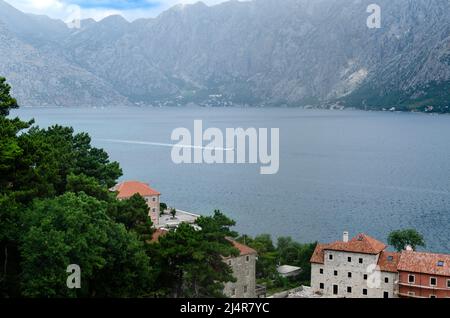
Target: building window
[(386, 280), (411, 279), (386, 294), (330, 257), (247, 259), (335, 289), (448, 283), (322, 286), (233, 292), (321, 271), (411, 294), (154, 210), (433, 281), (360, 260), (349, 259), (365, 277), (245, 289), (349, 275), (365, 291), (154, 199), (335, 273), (349, 290), (433, 296)]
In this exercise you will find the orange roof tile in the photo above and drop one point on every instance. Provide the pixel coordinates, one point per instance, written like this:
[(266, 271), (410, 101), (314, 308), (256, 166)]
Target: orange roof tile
[(129, 188), (243, 249), (427, 263), (361, 243), (318, 255), (388, 261)]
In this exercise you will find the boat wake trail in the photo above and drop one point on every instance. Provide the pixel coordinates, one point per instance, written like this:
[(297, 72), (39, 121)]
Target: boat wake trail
[(161, 144)]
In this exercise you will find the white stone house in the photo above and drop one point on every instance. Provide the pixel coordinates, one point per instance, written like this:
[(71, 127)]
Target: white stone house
[(356, 268)]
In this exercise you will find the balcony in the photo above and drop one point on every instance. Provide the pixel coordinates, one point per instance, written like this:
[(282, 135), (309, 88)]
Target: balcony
[(409, 296), (423, 286)]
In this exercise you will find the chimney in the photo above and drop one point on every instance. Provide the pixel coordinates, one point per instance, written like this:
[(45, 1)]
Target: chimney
[(345, 237)]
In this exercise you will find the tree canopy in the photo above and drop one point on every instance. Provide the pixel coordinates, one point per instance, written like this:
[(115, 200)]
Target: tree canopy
[(6, 101), (76, 229), (285, 252), (401, 238), (191, 259)]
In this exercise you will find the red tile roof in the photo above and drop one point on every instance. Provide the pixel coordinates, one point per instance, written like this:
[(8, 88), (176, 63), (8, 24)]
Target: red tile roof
[(318, 255), (361, 243), (426, 263), (388, 261), (129, 188), (243, 249)]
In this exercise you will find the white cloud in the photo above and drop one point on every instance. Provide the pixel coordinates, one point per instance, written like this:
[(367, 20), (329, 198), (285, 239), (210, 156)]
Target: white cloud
[(60, 9)]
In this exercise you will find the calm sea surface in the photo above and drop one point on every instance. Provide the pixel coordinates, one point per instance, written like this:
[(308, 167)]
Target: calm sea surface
[(352, 170)]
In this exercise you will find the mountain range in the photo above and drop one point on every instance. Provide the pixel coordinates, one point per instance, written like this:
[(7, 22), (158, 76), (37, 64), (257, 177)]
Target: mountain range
[(257, 53)]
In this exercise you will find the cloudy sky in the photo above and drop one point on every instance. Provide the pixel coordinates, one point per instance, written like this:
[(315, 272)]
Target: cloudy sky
[(98, 9)]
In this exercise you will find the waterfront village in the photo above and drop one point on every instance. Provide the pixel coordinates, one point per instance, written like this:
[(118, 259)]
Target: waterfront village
[(358, 267)]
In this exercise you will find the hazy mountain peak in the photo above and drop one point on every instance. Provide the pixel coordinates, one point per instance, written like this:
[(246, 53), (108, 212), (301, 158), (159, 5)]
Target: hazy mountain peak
[(115, 19), (86, 22), (184, 6)]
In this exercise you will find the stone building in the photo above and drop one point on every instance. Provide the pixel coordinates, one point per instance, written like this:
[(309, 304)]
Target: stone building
[(244, 270), (127, 189), (356, 268)]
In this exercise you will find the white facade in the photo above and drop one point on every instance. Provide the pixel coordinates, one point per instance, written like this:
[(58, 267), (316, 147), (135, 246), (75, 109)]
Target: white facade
[(352, 275)]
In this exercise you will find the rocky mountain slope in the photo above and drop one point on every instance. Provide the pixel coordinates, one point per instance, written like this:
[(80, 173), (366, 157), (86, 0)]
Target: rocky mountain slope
[(261, 52), (45, 78)]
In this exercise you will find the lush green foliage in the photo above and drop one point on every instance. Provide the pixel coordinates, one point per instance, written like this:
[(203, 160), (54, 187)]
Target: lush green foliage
[(286, 252), (402, 238), (162, 207), (190, 259), (133, 213), (6, 101), (76, 229), (56, 153)]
